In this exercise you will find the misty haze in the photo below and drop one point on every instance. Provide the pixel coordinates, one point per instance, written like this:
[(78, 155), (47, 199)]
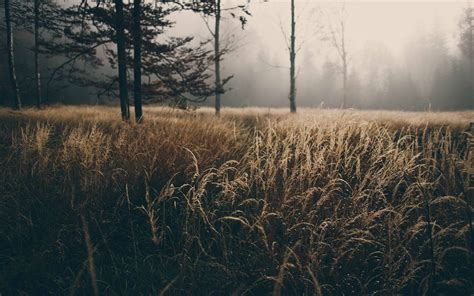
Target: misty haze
[(236, 147), (400, 55)]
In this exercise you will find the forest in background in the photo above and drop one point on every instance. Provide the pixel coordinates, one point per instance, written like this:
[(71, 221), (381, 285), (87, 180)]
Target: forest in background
[(433, 71)]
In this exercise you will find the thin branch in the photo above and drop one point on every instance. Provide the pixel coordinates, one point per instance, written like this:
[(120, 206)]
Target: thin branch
[(72, 59), (207, 26), (284, 34)]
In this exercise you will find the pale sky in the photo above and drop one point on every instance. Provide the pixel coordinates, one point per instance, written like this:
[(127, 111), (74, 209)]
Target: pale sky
[(391, 23)]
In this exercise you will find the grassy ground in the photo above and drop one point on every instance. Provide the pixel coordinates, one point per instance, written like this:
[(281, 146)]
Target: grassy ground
[(325, 202)]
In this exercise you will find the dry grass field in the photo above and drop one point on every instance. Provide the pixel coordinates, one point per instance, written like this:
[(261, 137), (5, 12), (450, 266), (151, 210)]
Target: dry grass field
[(257, 202)]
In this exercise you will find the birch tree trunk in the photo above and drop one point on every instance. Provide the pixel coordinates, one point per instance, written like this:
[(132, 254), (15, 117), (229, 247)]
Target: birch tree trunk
[(11, 58)]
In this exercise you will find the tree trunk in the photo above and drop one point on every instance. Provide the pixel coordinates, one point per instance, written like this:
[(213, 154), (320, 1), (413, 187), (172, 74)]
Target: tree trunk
[(137, 60), (37, 71), (344, 63), (471, 55), (344, 82), (11, 59), (122, 60), (292, 60), (217, 54)]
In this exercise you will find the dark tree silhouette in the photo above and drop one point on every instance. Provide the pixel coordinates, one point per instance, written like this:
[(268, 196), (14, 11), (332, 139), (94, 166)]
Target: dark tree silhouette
[(217, 55), (137, 60), (122, 59), (165, 69), (36, 53)]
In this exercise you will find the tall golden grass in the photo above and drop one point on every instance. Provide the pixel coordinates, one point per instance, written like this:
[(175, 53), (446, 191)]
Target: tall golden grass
[(325, 202)]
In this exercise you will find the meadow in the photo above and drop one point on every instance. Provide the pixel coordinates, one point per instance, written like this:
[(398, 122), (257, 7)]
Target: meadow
[(256, 202)]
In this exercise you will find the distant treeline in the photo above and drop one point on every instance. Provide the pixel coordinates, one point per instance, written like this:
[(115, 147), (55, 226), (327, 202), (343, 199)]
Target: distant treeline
[(78, 62)]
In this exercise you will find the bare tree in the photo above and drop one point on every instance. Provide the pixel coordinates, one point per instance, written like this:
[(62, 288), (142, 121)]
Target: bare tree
[(337, 37), (216, 9), (466, 42), (137, 58), (292, 50), (122, 60), (45, 21), (11, 58)]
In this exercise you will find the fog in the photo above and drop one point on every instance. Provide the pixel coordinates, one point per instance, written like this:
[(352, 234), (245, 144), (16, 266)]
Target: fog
[(398, 55), (379, 35)]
